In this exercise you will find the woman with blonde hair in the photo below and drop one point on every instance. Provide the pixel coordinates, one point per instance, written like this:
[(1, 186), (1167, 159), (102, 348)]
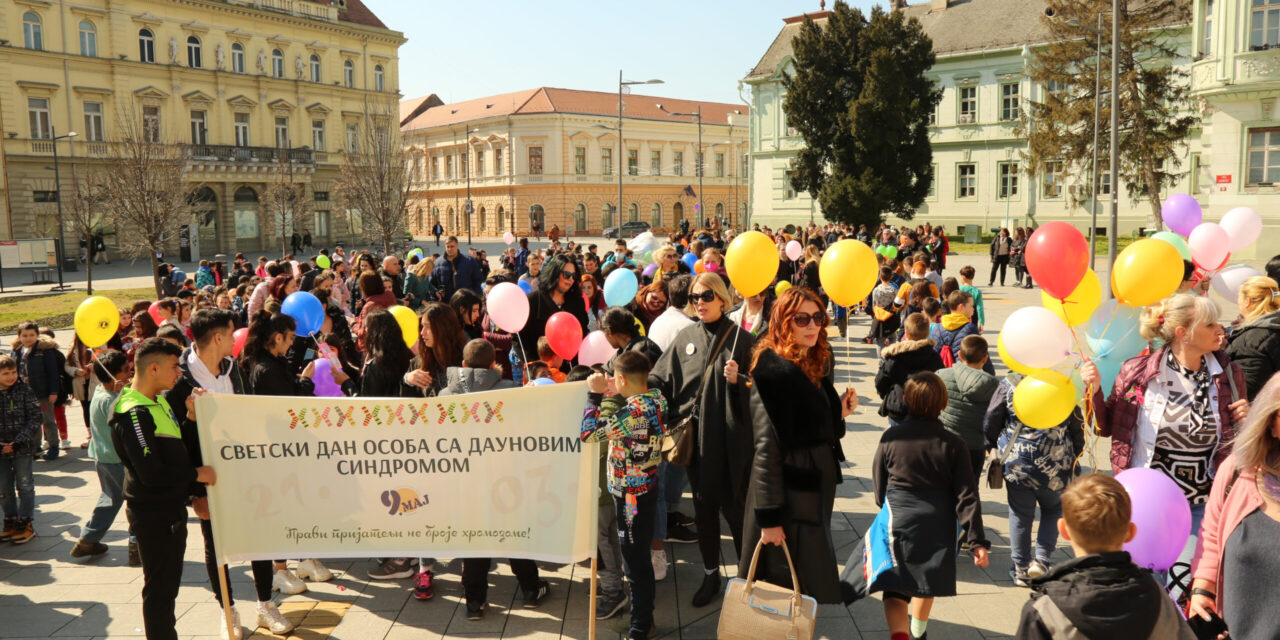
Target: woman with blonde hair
[(1254, 343), (1175, 409), (809, 273), (1237, 555), (417, 284), (669, 263)]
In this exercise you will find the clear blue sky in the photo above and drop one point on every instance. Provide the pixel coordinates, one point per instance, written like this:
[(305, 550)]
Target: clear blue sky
[(700, 48)]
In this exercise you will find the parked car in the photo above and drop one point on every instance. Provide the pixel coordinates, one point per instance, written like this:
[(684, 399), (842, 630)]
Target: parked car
[(628, 230)]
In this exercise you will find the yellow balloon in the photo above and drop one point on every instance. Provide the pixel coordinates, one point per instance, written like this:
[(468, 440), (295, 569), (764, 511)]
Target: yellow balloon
[(781, 288), (848, 271), (1146, 271), (1078, 307), (751, 262), (96, 320), (408, 321), (1044, 399), (1008, 359)]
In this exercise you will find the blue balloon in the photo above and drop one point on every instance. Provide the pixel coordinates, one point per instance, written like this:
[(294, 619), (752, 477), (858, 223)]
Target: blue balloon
[(306, 311), (539, 382), (620, 287), (689, 259), (1112, 331), (525, 286)]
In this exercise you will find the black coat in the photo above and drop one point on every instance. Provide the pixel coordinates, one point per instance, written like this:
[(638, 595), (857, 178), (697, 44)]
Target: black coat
[(794, 474), (900, 360), (644, 346), (541, 308), (177, 399), (1256, 348)]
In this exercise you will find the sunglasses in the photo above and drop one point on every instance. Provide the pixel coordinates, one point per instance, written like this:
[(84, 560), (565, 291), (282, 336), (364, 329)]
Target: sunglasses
[(803, 319), (705, 296), (568, 275)]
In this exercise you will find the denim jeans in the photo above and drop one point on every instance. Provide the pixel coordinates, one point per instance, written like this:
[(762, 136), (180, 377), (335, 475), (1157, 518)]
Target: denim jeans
[(671, 482), (609, 550), (111, 478), (17, 487), (635, 544), (49, 424), (1022, 514)]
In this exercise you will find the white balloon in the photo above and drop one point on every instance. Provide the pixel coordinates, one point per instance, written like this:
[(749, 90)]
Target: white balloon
[(1036, 337), (1209, 245), (1242, 225), (1226, 283), (794, 250), (643, 243)]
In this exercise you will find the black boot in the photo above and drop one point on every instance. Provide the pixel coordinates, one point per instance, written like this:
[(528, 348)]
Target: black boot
[(709, 590)]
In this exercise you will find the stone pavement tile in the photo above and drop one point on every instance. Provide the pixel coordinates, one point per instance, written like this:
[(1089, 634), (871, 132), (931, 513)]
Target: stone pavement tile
[(836, 628), (388, 595), (206, 618), (434, 615), (111, 621), (361, 625), (35, 618), (868, 614)]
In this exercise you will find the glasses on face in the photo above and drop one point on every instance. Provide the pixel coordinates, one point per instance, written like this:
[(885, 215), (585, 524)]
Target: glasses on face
[(706, 296), (803, 319), (568, 275)]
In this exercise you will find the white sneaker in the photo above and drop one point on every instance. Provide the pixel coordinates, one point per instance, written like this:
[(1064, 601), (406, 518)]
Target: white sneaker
[(1036, 569), (286, 582), (311, 569), (235, 623), (66, 444), (659, 559), (269, 618)]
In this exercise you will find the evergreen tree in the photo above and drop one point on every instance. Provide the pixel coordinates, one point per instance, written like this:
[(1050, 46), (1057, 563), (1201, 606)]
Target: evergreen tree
[(861, 101), (1155, 109)]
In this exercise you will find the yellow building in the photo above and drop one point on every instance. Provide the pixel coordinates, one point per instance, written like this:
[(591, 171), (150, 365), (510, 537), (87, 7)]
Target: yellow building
[(551, 156), (239, 80)]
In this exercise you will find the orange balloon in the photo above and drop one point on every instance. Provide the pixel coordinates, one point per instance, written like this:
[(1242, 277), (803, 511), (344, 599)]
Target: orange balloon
[(698, 267)]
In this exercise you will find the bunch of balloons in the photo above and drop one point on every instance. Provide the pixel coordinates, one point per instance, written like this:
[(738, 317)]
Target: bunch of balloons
[(1210, 245)]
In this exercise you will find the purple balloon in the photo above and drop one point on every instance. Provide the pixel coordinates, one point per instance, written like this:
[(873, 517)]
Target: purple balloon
[(1162, 515), (326, 386), (1181, 213), (648, 271)]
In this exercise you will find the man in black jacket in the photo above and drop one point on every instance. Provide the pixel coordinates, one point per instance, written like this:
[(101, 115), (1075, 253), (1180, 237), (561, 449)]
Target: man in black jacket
[(915, 353), (622, 332), (158, 479)]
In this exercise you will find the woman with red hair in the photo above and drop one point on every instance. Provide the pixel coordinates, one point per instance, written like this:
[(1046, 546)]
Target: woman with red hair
[(796, 466)]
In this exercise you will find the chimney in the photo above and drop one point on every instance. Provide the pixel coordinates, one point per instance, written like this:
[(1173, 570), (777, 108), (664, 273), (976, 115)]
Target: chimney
[(938, 5)]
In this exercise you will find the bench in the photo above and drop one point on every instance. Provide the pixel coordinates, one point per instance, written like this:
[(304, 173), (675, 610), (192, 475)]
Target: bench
[(43, 276)]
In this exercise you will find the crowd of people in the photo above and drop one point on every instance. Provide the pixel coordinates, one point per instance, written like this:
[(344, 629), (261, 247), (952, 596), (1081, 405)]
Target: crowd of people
[(751, 378)]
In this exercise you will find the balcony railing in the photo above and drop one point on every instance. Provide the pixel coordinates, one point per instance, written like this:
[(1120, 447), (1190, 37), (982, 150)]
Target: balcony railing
[(232, 153)]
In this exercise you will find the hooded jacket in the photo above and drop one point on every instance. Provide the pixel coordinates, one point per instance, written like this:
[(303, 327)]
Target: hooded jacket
[(204, 277), (969, 392), (1040, 458), (40, 366), (20, 419), (900, 360), (1100, 596), (159, 473), (1256, 348), (952, 331), (460, 380), (177, 399)]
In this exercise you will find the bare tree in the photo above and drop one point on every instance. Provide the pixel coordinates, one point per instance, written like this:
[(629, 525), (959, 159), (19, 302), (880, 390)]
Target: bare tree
[(285, 201), (85, 212), (146, 193), (375, 179)]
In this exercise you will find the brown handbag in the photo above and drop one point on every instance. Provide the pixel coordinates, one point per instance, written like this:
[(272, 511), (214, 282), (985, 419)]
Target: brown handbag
[(761, 611), (680, 442)]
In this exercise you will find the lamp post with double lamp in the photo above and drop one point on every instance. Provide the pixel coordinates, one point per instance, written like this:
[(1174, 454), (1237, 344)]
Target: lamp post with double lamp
[(701, 161), (1097, 104), (622, 84), (466, 168), (57, 192)]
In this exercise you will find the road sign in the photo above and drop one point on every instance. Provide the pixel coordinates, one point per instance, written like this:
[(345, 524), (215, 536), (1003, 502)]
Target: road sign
[(468, 208)]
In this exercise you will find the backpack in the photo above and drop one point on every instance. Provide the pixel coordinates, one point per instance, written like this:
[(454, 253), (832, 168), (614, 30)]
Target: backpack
[(948, 358)]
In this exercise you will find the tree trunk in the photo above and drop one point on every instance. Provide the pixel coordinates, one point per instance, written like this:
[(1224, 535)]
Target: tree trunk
[(155, 275), (88, 265), (1153, 196)]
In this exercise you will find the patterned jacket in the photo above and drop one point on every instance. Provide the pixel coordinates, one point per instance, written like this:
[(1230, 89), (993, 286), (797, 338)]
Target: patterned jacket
[(634, 433), (20, 419), (1040, 458)]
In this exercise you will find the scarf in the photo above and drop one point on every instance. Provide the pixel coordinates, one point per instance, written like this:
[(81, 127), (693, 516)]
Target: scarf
[(1202, 413)]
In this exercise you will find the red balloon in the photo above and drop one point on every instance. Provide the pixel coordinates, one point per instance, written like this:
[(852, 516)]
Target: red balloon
[(237, 341), (564, 334), (154, 312), (1057, 256)]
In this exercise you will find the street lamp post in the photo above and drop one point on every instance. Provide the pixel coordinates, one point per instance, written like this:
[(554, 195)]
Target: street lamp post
[(466, 162), (621, 149), (701, 157), (57, 191)]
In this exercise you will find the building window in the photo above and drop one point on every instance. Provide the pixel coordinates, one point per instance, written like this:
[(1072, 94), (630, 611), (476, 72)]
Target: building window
[(146, 46), (633, 212), (479, 163), (464, 161), (606, 215), (633, 162), (606, 162), (88, 39), (968, 105), (198, 130), (699, 167), (1051, 180), (237, 57), (719, 165), (1008, 180), (498, 167), (933, 181), (38, 112), (1264, 156), (378, 78), (1200, 175), (93, 122), (1265, 23), (448, 167), (32, 32), (348, 74), (317, 135), (655, 163), (933, 117), (44, 196), (282, 132), (315, 68), (719, 211), (277, 63), (580, 161), (967, 181), (580, 217), (746, 161), (151, 124), (535, 161), (1009, 107), (788, 187), (242, 129), (1206, 45), (1104, 183), (193, 53), (655, 215), (677, 165), (353, 137), (435, 169)]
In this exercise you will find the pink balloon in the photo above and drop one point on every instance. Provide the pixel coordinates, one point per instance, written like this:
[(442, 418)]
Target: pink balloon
[(508, 307), (564, 332), (1242, 225), (154, 312), (508, 237), (1209, 245), (595, 349), (794, 250)]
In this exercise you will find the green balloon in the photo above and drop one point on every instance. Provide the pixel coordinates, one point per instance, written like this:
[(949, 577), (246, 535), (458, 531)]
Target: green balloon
[(1177, 241), (891, 252), (323, 262)]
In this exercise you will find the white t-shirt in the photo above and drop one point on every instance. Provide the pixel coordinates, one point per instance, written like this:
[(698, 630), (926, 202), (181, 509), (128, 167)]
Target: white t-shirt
[(667, 325)]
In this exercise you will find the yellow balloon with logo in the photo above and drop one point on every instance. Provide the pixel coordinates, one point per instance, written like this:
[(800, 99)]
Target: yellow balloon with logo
[(1008, 359), (1146, 271), (96, 320), (751, 262), (1044, 399), (848, 271), (408, 321), (1077, 308)]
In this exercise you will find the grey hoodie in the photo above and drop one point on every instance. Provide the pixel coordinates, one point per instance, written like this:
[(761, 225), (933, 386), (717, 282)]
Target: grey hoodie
[(969, 393), (460, 380)]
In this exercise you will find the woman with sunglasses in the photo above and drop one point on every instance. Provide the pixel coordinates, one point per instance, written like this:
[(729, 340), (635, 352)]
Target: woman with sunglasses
[(557, 291), (728, 415), (796, 466)]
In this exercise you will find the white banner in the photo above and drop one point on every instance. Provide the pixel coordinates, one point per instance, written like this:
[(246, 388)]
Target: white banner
[(499, 474)]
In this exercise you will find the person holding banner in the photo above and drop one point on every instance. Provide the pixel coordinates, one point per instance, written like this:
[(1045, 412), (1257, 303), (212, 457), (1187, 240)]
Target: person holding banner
[(158, 479)]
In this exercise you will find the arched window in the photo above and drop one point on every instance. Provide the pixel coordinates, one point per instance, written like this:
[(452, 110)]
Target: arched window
[(246, 213), (193, 53), (450, 222), (580, 218), (146, 46), (633, 212), (32, 32), (719, 211), (655, 215), (677, 213), (378, 78), (606, 215), (315, 68), (539, 215), (237, 57), (88, 39), (277, 63), (499, 216), (348, 74), (481, 212)]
